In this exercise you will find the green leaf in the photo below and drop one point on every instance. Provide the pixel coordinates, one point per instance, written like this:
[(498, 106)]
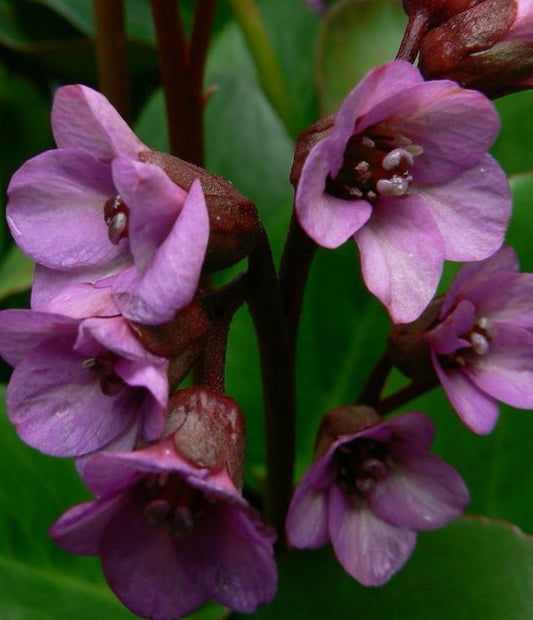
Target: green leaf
[(356, 37), (513, 146), (474, 568), (520, 227), (16, 273)]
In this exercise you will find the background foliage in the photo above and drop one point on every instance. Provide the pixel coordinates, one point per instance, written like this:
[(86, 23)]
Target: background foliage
[(477, 567)]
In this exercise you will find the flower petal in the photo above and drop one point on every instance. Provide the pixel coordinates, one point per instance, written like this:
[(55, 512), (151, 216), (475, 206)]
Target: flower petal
[(329, 221), (369, 549), (472, 210), (477, 410), (84, 119), (401, 256), (445, 338), (170, 281), (421, 491), (56, 210)]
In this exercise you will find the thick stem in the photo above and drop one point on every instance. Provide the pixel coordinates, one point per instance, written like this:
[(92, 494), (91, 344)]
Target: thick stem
[(266, 308), (204, 15), (111, 54), (412, 37), (375, 383), (184, 107), (296, 261), (251, 23)]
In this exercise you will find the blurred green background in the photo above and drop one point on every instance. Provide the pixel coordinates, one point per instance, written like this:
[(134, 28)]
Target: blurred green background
[(481, 566)]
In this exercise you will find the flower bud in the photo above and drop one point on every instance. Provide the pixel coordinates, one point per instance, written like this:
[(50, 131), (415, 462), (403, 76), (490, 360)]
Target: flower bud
[(208, 430), (437, 11), (345, 420), (488, 47), (233, 218), (309, 138)]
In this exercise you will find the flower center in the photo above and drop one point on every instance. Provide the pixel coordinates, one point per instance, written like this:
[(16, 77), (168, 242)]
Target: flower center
[(171, 501), (361, 464), (116, 215), (104, 365), (374, 165)]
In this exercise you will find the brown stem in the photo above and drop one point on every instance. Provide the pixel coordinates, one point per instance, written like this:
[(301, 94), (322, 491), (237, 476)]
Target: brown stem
[(375, 383), (111, 54), (184, 108), (403, 396), (204, 14), (412, 37), (266, 308)]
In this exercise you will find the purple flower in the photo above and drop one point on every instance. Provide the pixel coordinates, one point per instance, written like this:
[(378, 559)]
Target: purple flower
[(104, 227), (482, 346), (371, 492), (170, 535), (81, 386), (405, 171)]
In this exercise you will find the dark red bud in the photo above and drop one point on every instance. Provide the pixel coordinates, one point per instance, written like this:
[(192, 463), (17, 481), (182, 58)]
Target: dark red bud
[(233, 221), (407, 347), (309, 138), (345, 420), (208, 430), (438, 11)]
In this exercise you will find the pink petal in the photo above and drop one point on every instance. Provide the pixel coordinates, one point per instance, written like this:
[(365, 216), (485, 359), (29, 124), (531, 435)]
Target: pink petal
[(401, 256), (84, 119), (445, 338), (413, 427), (369, 549)]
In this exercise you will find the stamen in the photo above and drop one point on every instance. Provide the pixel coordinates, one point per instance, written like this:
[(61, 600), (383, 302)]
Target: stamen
[(182, 522), (366, 141), (157, 511), (480, 343), (89, 363), (365, 484), (374, 467), (116, 214), (116, 227), (483, 323), (398, 158), (395, 186)]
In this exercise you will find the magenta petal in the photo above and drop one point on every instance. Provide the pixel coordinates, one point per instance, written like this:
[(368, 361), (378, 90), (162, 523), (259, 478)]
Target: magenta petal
[(154, 202), (73, 293), (446, 339), (170, 281), (477, 410), (479, 194), (307, 518), (506, 371), (401, 256), (84, 119), (150, 573), (80, 529), (234, 556), (55, 210), (329, 221), (58, 406), (454, 126), (421, 491), (413, 427), (22, 330), (369, 549)]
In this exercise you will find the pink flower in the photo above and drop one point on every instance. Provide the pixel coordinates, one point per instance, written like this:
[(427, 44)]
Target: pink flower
[(482, 346), (405, 172), (170, 534), (371, 492), (81, 385), (105, 228)]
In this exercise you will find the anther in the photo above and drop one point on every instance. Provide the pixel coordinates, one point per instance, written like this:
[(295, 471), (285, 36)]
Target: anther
[(157, 511), (116, 227), (182, 522), (398, 158), (395, 186), (480, 344), (374, 467)]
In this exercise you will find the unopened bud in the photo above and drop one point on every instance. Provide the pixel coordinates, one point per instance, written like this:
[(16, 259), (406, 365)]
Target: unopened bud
[(233, 220), (208, 430), (346, 420), (437, 11)]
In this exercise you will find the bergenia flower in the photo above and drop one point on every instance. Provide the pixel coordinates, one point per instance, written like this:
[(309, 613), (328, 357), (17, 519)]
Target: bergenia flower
[(81, 385), (170, 535), (405, 172), (482, 346), (105, 227), (371, 492)]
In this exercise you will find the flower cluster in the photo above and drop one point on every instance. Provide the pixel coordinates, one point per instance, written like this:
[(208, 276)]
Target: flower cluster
[(119, 250), (120, 313)]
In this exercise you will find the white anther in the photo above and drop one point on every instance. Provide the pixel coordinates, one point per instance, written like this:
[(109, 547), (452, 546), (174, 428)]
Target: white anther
[(479, 343), (395, 186), (396, 158), (366, 141), (362, 166), (365, 484), (414, 149), (370, 195), (117, 226), (89, 363), (483, 323), (374, 467)]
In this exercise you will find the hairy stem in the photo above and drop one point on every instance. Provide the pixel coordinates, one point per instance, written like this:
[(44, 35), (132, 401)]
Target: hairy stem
[(266, 308), (111, 54)]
